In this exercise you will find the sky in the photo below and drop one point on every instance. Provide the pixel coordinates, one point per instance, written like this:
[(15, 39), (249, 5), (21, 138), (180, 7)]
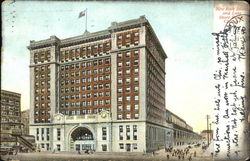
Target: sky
[(183, 28)]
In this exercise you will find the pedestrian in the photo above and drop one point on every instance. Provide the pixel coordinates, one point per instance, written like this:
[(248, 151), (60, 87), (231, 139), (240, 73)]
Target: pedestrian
[(183, 157), (167, 157), (16, 151), (190, 158), (212, 154), (194, 153), (179, 157), (79, 152)]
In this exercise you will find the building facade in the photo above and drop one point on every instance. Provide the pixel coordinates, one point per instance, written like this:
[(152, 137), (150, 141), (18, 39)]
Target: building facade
[(10, 118), (25, 121), (182, 133), (103, 91), (207, 134)]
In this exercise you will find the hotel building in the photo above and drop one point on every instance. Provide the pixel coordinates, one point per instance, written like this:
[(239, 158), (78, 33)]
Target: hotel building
[(103, 91)]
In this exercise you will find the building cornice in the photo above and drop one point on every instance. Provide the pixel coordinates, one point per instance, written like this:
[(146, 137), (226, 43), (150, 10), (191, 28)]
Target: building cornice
[(89, 37), (52, 41)]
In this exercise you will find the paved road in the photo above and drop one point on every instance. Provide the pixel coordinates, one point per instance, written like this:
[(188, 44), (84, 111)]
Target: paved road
[(159, 156)]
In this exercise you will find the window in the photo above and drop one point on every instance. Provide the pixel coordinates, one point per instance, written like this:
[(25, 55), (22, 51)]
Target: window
[(134, 132), (127, 80), (119, 90), (120, 132), (47, 136), (100, 86), (100, 78), (58, 146), (121, 146), (120, 81), (127, 132), (119, 107), (128, 116), (104, 133), (120, 72), (100, 102), (127, 98), (119, 55), (119, 64), (128, 71), (100, 70), (119, 99), (107, 85), (135, 146), (136, 89), (95, 103), (107, 102), (136, 62), (128, 107), (127, 63), (136, 98), (119, 117), (104, 147), (107, 61), (136, 71), (136, 79), (107, 69), (136, 115), (58, 134), (37, 134), (127, 54)]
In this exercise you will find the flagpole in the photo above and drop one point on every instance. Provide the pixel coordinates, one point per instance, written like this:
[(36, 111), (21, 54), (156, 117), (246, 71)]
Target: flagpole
[(86, 21)]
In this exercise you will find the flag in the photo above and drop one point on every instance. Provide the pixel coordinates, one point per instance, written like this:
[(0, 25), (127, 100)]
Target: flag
[(81, 14)]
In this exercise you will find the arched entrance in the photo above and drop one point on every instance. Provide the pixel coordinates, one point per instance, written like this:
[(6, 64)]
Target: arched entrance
[(82, 139)]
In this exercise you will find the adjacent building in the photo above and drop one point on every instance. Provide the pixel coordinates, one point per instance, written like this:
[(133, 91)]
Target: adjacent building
[(182, 133), (13, 133), (10, 118), (207, 134), (103, 90), (25, 121)]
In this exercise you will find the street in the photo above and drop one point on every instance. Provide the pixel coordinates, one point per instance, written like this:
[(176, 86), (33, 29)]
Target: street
[(160, 155)]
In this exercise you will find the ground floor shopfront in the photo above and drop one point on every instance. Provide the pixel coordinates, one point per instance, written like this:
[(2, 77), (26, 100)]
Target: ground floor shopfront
[(99, 133)]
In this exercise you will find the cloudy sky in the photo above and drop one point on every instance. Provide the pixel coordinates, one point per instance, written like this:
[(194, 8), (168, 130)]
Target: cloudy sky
[(184, 30)]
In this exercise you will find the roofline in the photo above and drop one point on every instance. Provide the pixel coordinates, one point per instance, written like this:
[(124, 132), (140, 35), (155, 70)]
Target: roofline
[(99, 35), (2, 90)]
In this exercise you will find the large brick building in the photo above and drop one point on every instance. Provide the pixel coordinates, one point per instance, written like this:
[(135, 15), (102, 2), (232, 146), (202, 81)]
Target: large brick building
[(10, 118), (103, 90)]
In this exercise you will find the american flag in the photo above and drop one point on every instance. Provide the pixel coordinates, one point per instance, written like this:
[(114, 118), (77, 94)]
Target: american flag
[(81, 14)]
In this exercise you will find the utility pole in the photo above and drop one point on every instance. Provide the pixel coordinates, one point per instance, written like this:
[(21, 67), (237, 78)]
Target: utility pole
[(211, 134), (207, 129)]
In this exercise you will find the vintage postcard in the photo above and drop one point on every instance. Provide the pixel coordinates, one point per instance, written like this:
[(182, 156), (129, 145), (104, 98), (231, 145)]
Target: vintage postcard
[(125, 80)]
